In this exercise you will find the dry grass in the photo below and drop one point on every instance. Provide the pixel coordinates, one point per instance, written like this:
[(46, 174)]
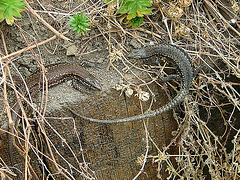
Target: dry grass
[(209, 31)]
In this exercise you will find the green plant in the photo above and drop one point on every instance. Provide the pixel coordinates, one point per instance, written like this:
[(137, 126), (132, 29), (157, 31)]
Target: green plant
[(79, 23), (135, 10), (136, 22), (10, 8), (116, 1)]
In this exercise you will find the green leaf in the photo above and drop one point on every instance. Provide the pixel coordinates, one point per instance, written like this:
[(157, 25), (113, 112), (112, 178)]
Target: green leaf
[(123, 10), (136, 22), (145, 3), (10, 8), (16, 13), (128, 3), (1, 16), (79, 23), (139, 14), (3, 7), (78, 31), (85, 24), (133, 10), (145, 10), (20, 6)]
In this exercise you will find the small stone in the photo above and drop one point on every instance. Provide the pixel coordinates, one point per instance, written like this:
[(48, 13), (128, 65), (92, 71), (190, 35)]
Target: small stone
[(72, 50), (100, 60), (135, 44)]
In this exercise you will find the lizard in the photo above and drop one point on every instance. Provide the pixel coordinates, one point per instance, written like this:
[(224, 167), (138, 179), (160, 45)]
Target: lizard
[(184, 67), (55, 74)]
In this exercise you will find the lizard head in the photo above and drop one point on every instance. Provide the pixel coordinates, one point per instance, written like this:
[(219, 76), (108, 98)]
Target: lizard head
[(138, 54), (92, 82)]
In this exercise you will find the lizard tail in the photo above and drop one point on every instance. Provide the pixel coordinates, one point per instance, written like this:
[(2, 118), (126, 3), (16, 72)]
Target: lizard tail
[(181, 94)]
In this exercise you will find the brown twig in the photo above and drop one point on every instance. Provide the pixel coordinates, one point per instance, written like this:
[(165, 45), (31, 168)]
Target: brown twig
[(58, 34), (30, 47)]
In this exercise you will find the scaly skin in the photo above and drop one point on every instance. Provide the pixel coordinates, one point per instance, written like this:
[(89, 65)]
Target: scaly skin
[(55, 74), (184, 66)]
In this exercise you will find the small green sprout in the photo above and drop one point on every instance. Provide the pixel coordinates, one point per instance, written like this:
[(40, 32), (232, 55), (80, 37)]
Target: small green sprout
[(79, 23), (135, 10), (10, 8)]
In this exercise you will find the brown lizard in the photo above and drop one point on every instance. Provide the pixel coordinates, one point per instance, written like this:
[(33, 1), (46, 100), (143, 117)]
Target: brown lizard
[(55, 74), (185, 69)]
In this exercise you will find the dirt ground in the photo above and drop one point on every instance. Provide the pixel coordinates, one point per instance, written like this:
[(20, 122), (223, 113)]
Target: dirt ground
[(109, 151), (60, 145)]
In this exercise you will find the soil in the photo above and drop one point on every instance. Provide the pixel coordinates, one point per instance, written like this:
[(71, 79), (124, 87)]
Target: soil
[(112, 151), (50, 142)]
